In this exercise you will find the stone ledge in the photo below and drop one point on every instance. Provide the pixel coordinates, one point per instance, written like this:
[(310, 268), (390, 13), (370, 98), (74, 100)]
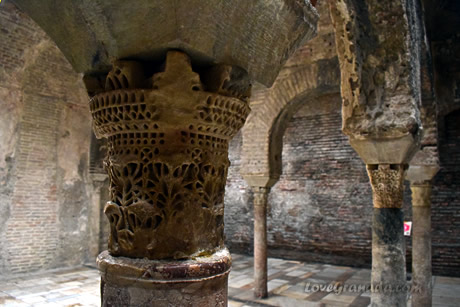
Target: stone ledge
[(130, 271), (386, 150)]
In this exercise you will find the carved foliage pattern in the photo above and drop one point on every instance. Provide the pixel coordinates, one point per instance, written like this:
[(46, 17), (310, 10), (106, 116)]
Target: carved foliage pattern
[(167, 156), (387, 184)]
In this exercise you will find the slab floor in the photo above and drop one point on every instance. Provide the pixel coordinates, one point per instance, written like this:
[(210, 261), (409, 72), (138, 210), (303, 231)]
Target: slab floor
[(287, 285)]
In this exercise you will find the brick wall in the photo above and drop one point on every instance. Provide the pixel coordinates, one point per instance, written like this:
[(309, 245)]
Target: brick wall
[(321, 204), (321, 208), (238, 215), (44, 153), (446, 199)]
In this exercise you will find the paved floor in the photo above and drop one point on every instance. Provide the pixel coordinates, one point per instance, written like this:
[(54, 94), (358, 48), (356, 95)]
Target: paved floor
[(287, 285)]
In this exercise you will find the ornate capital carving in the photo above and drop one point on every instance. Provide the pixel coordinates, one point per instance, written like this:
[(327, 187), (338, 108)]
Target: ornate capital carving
[(167, 158), (421, 194), (260, 196), (387, 184)]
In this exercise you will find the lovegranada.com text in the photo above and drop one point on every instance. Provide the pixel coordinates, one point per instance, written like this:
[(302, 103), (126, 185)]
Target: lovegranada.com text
[(339, 288)]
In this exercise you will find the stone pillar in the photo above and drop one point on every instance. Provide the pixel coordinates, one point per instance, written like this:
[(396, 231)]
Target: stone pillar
[(260, 185), (168, 126), (421, 244), (382, 120), (388, 245), (95, 186), (420, 177), (260, 241), (167, 162)]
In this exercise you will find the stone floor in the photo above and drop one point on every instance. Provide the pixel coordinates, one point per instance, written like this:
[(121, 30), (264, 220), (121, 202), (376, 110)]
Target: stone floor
[(287, 286)]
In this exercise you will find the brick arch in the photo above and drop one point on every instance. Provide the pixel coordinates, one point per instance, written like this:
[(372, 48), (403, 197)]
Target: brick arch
[(271, 111), (279, 126)]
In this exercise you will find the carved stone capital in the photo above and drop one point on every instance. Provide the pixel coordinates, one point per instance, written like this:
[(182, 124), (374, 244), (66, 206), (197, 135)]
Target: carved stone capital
[(260, 195), (421, 194), (167, 158), (387, 184)]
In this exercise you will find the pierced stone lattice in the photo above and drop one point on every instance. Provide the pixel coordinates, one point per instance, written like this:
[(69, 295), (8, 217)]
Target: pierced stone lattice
[(167, 155)]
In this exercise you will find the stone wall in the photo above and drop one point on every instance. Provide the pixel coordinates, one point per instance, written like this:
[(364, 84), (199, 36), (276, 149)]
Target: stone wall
[(44, 130)]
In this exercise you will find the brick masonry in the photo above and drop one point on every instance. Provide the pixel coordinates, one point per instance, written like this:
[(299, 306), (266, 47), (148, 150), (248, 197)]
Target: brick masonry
[(45, 130), (446, 199), (311, 71), (320, 210)]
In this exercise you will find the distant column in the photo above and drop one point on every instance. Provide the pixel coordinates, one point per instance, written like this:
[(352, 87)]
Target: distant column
[(260, 241), (420, 178)]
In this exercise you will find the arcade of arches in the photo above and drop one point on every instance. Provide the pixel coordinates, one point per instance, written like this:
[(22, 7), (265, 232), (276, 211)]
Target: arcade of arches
[(345, 126)]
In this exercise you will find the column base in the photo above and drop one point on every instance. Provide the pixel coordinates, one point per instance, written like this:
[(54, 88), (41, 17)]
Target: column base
[(202, 281)]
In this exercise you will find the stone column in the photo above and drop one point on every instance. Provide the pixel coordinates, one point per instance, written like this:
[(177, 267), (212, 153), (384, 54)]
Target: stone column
[(421, 244), (260, 241), (420, 180), (388, 244), (167, 162), (168, 126), (260, 185), (95, 186), (379, 60)]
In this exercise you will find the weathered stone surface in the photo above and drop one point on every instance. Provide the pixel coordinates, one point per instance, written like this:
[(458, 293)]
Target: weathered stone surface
[(421, 173), (142, 282), (388, 246), (379, 52), (388, 257), (421, 244), (428, 107), (387, 184), (167, 155), (386, 150), (256, 35), (426, 156)]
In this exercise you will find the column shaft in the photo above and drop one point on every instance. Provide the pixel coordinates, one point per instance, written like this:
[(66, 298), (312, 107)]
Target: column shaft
[(95, 217), (388, 246), (421, 245), (388, 257), (260, 242)]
